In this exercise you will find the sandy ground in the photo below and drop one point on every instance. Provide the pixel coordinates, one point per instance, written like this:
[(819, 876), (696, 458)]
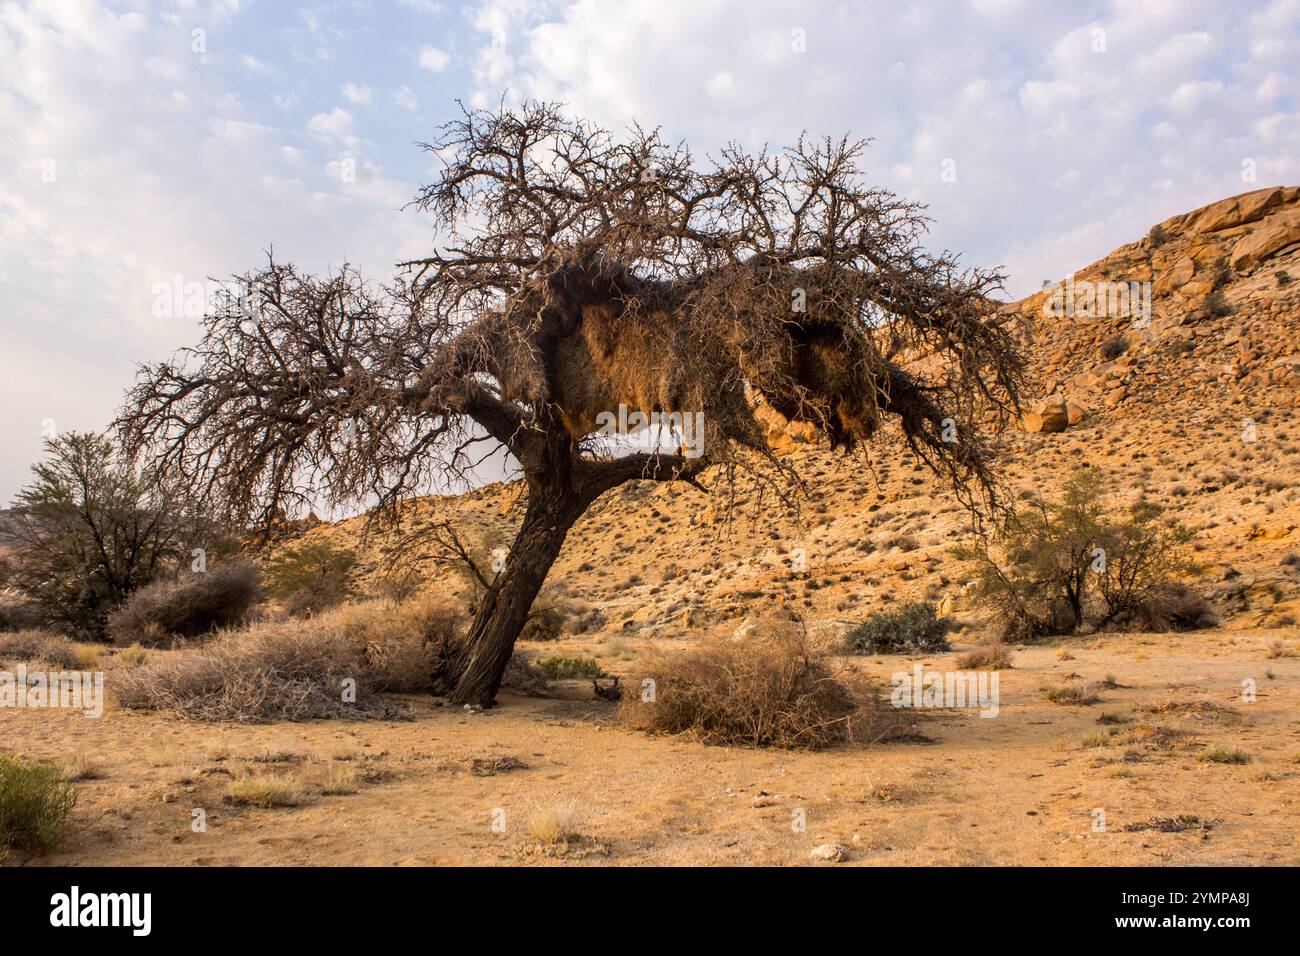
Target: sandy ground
[(1022, 788)]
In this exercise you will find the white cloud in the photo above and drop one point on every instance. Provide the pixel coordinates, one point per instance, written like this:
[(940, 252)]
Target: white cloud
[(404, 97), (1073, 127), (433, 59), (129, 162), (358, 94), (334, 127)]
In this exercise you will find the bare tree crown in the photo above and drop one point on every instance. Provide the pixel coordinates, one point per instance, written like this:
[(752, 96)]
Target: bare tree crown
[(580, 271)]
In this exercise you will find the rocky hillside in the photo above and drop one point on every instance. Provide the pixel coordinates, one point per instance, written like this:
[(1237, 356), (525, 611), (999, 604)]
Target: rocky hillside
[(1185, 392)]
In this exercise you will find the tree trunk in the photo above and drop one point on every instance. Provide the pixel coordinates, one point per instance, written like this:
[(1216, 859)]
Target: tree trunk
[(481, 662)]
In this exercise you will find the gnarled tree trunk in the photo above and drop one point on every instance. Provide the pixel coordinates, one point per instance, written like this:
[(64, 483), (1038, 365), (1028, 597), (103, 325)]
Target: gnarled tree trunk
[(480, 662)]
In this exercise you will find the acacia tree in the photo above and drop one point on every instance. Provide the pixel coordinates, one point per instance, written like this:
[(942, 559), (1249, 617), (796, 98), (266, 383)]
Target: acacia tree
[(89, 530), (582, 271)]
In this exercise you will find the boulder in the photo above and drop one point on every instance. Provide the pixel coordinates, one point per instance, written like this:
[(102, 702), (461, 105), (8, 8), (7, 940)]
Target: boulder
[(1177, 276), (831, 852), (1276, 233), (1048, 416), (1247, 207)]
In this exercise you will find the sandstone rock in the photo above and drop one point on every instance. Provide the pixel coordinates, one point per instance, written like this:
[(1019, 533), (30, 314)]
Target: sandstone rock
[(1049, 416), (1245, 208), (831, 852), (1177, 276), (1276, 233), (1074, 413)]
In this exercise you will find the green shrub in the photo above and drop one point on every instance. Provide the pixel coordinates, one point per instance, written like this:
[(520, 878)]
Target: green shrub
[(311, 576), (1068, 562), (546, 620), (558, 668), (914, 627), (35, 802)]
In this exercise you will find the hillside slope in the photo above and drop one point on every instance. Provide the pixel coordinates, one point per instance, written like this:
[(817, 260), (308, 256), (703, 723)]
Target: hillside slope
[(1191, 405)]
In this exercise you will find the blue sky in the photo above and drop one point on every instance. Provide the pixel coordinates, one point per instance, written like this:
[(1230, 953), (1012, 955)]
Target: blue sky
[(134, 151)]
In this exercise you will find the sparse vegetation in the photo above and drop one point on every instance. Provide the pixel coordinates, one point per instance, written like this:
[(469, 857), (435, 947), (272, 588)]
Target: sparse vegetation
[(994, 657), (558, 824), (1216, 304), (287, 670), (44, 647), (1113, 347), (1078, 694), (1224, 755), (267, 790)]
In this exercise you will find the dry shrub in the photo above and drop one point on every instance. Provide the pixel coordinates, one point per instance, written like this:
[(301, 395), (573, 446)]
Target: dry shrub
[(1174, 607), (18, 616), (311, 576), (774, 688), (190, 606), (1073, 694), (912, 628), (44, 647), (285, 670), (398, 644), (294, 669), (524, 676), (992, 657)]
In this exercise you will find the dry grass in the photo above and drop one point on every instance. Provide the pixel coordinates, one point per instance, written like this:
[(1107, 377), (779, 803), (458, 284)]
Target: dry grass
[(557, 824), (299, 669), (1075, 694), (993, 657), (334, 779), (1225, 755), (80, 767), (398, 644), (1197, 708), (290, 670), (267, 790), (774, 688), (40, 647)]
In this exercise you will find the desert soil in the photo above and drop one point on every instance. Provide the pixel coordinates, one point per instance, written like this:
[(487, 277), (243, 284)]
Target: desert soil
[(1021, 788)]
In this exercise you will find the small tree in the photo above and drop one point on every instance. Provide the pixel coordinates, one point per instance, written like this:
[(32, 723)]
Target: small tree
[(583, 275), (90, 530), (1067, 562), (311, 576)]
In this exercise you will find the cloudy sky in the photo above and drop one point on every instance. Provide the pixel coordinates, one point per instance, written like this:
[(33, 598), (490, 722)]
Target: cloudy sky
[(149, 144)]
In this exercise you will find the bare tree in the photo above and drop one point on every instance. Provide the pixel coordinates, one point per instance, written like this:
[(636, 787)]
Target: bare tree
[(583, 271)]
